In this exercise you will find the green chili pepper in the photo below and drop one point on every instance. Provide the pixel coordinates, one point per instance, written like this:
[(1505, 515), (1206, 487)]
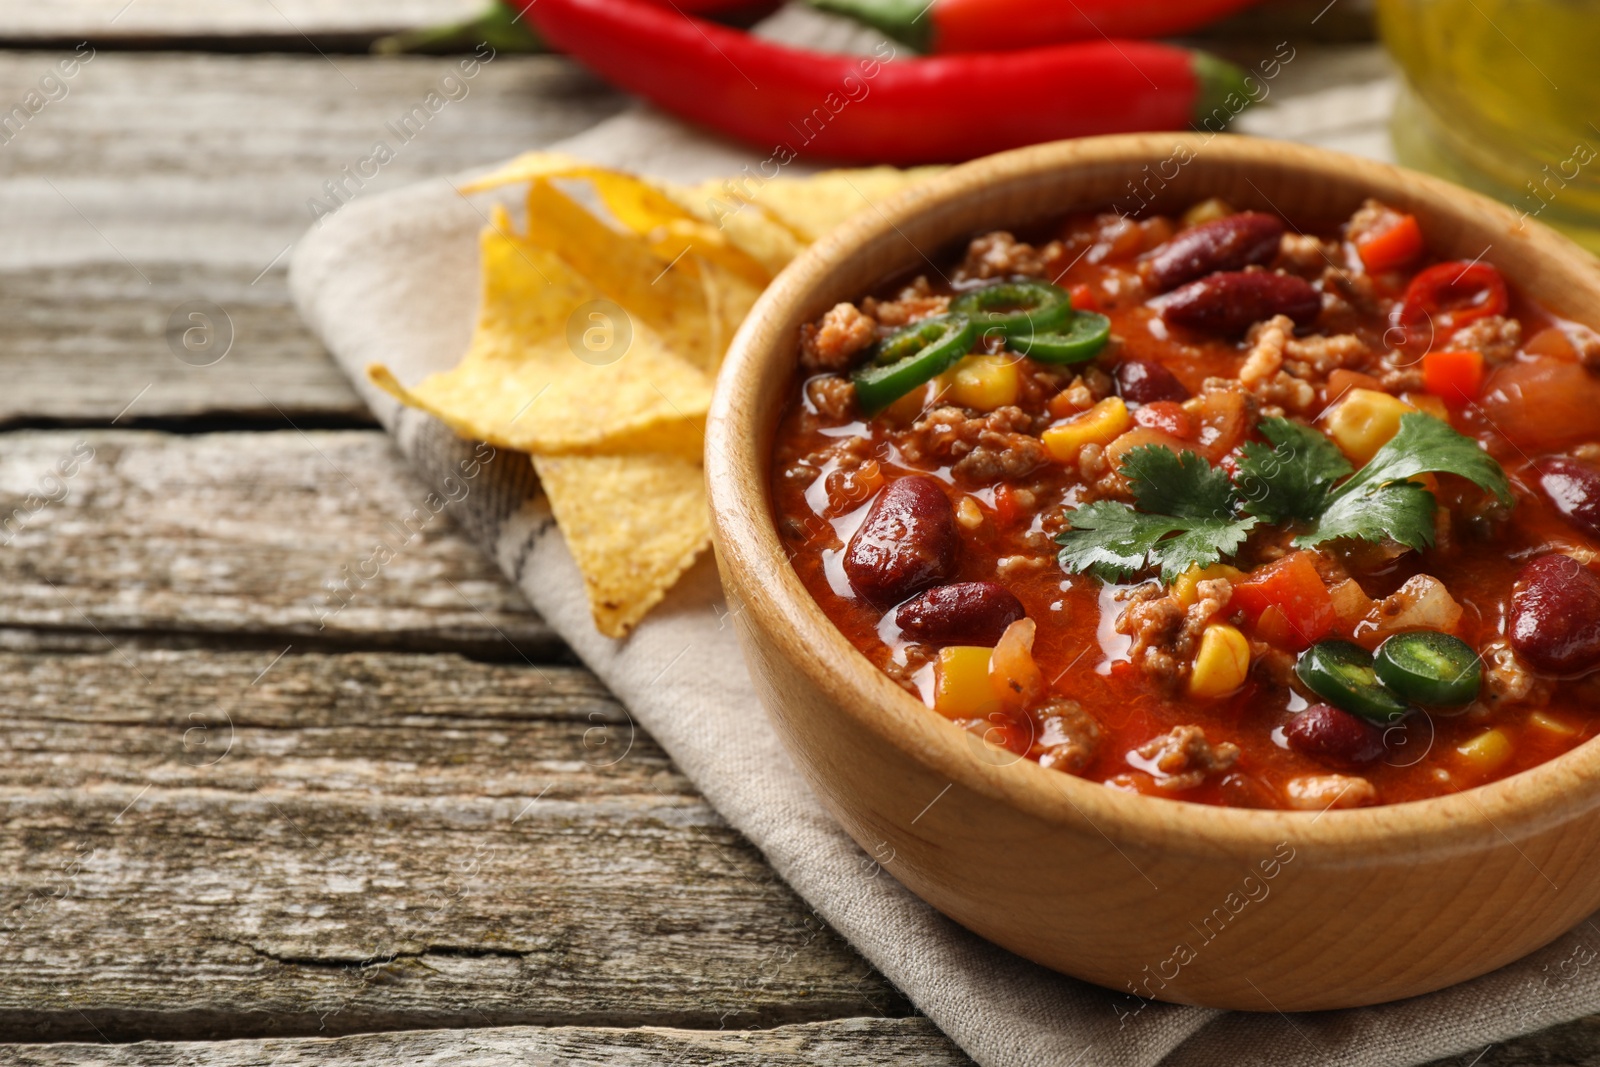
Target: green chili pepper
[(1084, 335), (1430, 668), (1023, 305), (910, 356), (1341, 673)]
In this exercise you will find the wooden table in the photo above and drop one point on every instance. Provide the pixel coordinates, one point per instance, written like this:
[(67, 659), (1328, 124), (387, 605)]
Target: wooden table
[(230, 836)]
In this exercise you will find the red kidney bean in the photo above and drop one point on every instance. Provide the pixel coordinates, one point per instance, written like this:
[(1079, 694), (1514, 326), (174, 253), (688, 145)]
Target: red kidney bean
[(1144, 381), (1575, 491), (1332, 735), (1231, 302), (1233, 243), (1555, 615), (908, 542), (964, 613)]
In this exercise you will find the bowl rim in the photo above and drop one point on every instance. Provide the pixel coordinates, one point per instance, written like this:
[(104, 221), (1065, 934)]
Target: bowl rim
[(746, 539)]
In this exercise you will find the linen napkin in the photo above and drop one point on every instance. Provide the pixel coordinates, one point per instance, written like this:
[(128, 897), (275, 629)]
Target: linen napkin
[(394, 279)]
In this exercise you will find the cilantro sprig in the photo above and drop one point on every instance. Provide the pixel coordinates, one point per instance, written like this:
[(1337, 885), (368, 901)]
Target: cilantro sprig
[(1188, 513)]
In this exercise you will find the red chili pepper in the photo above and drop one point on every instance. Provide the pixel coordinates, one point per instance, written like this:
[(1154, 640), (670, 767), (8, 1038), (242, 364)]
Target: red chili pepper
[(855, 108), (1449, 295), (1001, 25), (1454, 376), (1083, 298)]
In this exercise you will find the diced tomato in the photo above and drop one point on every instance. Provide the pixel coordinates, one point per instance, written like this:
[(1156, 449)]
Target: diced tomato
[(1391, 247), (1165, 415), (1450, 295), (1223, 423), (1455, 376), (1287, 602), (1005, 504), (1083, 298), (1551, 341)]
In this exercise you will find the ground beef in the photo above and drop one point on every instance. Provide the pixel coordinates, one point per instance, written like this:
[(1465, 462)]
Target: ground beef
[(1068, 734), (1315, 357), (1347, 298), (844, 453), (1305, 255), (1496, 336), (1000, 255), (1401, 380), (1319, 792), (1165, 632), (833, 397), (1368, 218), (1587, 343), (832, 343), (913, 303), (1184, 757), (995, 447), (1506, 682)]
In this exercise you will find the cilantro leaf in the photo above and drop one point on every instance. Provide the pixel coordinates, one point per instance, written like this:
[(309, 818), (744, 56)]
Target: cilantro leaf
[(1186, 486), (1294, 478), (1378, 501), (1188, 517), (1401, 510)]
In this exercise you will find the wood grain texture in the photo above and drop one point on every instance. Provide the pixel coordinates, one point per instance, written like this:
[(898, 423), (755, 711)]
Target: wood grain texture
[(203, 844), (837, 1043), (105, 20), (260, 537), (163, 179)]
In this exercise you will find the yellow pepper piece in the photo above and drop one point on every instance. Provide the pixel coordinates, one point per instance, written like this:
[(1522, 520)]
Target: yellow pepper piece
[(1364, 421), (1485, 753), (1185, 590), (1100, 425), (961, 683), (985, 382), (1222, 663)]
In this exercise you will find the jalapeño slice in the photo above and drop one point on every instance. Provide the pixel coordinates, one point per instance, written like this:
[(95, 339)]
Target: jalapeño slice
[(1083, 336), (1341, 673), (910, 356), (1023, 305), (1430, 667)]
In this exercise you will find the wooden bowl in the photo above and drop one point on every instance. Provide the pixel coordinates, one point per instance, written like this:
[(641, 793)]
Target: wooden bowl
[(1230, 908)]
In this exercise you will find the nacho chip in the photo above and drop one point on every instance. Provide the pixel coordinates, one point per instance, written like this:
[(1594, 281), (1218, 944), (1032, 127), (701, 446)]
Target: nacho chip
[(809, 207), (633, 524), (526, 384)]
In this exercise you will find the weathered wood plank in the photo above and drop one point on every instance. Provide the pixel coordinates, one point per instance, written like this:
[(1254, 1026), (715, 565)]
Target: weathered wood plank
[(207, 845), (162, 179), (133, 19), (82, 341), (276, 537), (837, 1043)]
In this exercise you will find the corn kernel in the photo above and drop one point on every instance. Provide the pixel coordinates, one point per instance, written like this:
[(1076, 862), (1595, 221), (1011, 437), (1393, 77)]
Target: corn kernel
[(1100, 425), (1221, 664), (1186, 589), (1207, 211), (961, 683), (1551, 724), (985, 382), (1485, 753), (1364, 421)]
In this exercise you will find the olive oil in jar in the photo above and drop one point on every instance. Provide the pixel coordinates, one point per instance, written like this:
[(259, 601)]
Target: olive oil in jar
[(1504, 96)]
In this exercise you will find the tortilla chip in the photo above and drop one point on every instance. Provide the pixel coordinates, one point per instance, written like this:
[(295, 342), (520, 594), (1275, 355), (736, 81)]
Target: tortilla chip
[(633, 524), (524, 384), (810, 207)]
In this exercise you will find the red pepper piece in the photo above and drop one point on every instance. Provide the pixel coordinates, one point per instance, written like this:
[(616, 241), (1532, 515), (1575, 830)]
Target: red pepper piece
[(1391, 247), (1450, 295), (1455, 376), (1001, 25), (941, 109), (1287, 602)]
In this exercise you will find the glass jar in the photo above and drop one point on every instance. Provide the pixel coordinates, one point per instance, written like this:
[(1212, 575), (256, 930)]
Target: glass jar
[(1503, 96)]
